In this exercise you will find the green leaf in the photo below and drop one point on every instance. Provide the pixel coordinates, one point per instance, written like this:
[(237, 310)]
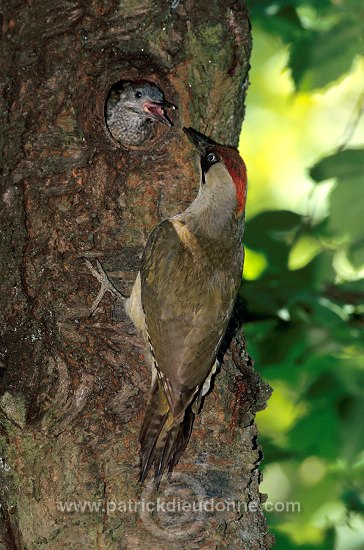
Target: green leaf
[(322, 57), (347, 197), (283, 542), (354, 500), (344, 164), (278, 21), (351, 411), (316, 434), (356, 254), (270, 226), (346, 208)]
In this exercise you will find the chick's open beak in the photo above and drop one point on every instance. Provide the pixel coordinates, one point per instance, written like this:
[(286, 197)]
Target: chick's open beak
[(157, 110)]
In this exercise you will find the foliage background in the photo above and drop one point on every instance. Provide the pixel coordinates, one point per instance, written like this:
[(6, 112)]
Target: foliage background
[(303, 142)]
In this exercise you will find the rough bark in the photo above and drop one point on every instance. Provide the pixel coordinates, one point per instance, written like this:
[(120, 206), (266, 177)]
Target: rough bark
[(73, 388)]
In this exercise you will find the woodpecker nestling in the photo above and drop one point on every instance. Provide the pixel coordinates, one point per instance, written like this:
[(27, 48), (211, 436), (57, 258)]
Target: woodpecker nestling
[(133, 110), (183, 298)]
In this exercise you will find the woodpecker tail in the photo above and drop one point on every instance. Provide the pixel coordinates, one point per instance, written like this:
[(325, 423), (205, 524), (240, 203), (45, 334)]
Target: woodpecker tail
[(162, 437)]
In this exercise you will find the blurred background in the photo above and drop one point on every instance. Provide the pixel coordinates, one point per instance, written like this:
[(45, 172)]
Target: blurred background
[(303, 142)]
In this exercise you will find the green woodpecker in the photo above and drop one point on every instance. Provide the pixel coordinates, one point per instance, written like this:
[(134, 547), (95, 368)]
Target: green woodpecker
[(183, 298)]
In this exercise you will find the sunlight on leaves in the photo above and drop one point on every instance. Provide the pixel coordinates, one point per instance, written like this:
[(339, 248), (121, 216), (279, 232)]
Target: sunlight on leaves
[(303, 293)]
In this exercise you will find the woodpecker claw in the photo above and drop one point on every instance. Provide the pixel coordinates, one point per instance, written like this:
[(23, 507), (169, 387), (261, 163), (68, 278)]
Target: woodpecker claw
[(106, 284)]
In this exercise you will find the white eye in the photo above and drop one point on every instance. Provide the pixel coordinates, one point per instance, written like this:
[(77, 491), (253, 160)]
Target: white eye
[(211, 158)]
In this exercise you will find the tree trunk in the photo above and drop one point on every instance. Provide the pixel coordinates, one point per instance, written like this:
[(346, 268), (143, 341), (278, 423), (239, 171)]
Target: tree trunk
[(74, 387)]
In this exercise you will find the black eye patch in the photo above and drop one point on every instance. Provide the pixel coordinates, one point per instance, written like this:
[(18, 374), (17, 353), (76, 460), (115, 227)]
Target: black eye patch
[(207, 161)]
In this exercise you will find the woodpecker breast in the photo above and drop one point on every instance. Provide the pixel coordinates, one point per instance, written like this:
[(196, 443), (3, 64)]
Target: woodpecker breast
[(129, 128)]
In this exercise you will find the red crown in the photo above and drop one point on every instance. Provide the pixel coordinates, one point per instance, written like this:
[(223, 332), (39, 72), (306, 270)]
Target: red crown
[(237, 169)]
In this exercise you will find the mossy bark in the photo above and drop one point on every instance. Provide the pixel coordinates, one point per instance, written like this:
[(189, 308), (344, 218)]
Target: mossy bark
[(73, 388)]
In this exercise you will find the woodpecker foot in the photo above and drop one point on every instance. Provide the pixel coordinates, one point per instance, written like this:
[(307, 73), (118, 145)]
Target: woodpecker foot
[(106, 284)]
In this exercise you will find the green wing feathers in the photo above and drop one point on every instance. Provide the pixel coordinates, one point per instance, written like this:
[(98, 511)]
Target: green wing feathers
[(187, 295)]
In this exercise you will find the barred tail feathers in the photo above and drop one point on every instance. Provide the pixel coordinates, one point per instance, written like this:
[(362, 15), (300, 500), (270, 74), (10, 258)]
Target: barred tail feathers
[(163, 438)]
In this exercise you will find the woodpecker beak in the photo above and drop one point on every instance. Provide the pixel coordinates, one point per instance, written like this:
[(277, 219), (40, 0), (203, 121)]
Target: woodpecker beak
[(200, 141), (156, 110)]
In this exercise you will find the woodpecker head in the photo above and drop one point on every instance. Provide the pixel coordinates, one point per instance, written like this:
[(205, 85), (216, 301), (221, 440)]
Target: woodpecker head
[(222, 168), (142, 99)]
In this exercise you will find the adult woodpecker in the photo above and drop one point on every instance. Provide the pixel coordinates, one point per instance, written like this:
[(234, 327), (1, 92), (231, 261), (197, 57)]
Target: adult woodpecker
[(183, 298), (133, 109)]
